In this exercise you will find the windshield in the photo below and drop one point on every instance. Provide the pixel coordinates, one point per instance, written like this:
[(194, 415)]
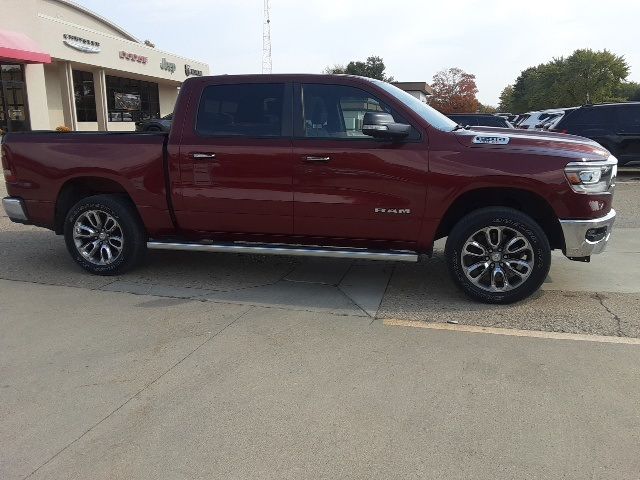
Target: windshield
[(431, 115)]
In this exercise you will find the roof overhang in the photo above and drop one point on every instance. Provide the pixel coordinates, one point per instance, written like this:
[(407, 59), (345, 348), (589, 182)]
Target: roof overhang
[(414, 87), (19, 48), (100, 18)]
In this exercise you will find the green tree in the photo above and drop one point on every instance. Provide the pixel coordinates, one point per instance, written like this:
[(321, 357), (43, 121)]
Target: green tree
[(506, 99), (629, 91), (487, 109), (593, 77), (586, 76), (372, 67)]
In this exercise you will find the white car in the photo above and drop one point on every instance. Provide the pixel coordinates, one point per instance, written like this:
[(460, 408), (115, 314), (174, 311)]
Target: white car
[(537, 118), (552, 122)]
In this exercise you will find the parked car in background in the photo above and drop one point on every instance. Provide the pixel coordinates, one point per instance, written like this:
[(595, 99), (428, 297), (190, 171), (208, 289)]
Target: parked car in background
[(155, 124), (509, 117), (551, 122), (519, 119), (479, 120), (544, 124), (534, 119), (615, 126)]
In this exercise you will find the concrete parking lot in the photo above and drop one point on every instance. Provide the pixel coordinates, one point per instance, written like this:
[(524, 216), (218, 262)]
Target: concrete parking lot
[(228, 366)]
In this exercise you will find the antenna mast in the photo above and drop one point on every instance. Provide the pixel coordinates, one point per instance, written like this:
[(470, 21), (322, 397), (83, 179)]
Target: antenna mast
[(266, 39)]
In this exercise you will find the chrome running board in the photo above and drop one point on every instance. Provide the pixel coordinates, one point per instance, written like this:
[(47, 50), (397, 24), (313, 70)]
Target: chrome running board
[(293, 250)]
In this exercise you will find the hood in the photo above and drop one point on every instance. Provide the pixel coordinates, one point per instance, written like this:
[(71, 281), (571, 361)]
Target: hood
[(532, 141)]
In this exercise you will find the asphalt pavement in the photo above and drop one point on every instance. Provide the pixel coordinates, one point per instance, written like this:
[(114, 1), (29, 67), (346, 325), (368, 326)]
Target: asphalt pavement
[(231, 366)]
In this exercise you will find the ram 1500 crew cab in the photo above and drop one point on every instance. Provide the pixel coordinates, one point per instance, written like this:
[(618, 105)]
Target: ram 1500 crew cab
[(318, 165)]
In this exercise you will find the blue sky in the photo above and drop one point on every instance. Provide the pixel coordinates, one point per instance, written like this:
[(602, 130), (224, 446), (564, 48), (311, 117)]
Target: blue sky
[(493, 39)]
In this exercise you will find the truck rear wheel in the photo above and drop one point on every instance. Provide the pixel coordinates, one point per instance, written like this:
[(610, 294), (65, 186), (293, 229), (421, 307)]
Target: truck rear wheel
[(498, 255), (104, 235)]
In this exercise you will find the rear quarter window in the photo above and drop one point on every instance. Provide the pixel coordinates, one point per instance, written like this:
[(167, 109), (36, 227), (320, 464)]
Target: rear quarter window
[(590, 116), (494, 122), (629, 115)]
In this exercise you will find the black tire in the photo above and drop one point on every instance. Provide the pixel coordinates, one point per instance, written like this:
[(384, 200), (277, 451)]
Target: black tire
[(130, 226), (153, 129), (510, 221)]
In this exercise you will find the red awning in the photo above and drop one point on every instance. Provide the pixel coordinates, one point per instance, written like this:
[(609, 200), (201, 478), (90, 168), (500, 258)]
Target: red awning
[(18, 48)]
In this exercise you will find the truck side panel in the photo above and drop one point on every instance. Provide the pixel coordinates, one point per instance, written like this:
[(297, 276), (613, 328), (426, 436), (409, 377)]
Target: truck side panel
[(43, 163)]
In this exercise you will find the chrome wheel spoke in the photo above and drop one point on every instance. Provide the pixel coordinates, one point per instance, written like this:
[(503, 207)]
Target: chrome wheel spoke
[(91, 248), (477, 272), (93, 217), (105, 253), (473, 268), (494, 237), (515, 245), (82, 231), (115, 242), (499, 280), (110, 224), (475, 249), (519, 263)]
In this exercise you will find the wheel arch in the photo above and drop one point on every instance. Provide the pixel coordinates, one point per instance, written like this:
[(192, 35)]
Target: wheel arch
[(77, 188), (523, 200)]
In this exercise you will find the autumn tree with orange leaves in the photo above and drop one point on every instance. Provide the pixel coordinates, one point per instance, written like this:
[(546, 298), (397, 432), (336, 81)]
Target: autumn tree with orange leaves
[(454, 91)]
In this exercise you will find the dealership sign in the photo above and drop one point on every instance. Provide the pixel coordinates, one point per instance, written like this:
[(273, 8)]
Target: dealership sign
[(81, 44), (167, 66), (188, 71), (133, 57)]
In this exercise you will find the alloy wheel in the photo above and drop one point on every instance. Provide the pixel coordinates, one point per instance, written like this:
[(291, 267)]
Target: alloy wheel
[(497, 259), (98, 237)]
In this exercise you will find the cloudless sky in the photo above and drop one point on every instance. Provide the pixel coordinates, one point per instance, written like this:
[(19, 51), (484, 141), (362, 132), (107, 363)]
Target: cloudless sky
[(493, 39)]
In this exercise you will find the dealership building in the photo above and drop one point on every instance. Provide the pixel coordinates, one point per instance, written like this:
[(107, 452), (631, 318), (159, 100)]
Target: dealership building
[(63, 65)]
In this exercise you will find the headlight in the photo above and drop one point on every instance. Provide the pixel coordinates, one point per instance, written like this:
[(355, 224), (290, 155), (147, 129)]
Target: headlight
[(592, 177)]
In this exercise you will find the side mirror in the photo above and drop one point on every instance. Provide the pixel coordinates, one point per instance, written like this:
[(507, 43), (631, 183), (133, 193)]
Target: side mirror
[(382, 125)]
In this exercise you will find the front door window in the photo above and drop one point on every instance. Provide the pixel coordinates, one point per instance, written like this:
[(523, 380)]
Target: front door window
[(14, 115)]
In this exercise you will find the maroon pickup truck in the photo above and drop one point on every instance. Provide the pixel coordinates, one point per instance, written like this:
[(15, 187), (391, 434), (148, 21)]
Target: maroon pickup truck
[(318, 165)]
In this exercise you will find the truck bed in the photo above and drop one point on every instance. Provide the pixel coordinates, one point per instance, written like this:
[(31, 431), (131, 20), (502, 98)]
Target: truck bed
[(55, 163)]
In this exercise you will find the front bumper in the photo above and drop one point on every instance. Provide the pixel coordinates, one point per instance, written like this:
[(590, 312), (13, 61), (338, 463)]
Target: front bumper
[(584, 238), (15, 209)]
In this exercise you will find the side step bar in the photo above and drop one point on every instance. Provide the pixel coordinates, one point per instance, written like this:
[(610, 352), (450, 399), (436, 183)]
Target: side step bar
[(293, 250)]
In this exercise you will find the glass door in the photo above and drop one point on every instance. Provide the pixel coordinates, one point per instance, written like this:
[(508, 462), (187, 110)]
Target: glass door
[(14, 115), (3, 112)]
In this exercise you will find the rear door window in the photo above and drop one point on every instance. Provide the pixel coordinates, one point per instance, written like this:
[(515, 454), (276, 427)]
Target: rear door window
[(493, 121), (591, 117), (241, 110), (629, 118)]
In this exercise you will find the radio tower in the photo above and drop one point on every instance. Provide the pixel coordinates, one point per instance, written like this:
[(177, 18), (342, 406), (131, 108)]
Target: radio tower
[(266, 40)]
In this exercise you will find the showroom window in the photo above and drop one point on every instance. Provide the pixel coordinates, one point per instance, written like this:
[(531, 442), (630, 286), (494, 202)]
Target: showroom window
[(85, 95), (131, 100)]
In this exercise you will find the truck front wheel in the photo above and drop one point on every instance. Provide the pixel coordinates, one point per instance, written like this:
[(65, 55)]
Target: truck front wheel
[(104, 235), (498, 255)]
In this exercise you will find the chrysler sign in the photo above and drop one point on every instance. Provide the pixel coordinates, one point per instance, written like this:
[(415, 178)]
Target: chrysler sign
[(81, 44)]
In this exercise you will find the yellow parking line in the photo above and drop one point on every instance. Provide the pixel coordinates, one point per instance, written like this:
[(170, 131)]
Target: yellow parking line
[(512, 332)]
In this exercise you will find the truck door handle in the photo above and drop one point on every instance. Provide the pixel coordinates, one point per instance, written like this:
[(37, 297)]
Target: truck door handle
[(201, 155), (317, 159)]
